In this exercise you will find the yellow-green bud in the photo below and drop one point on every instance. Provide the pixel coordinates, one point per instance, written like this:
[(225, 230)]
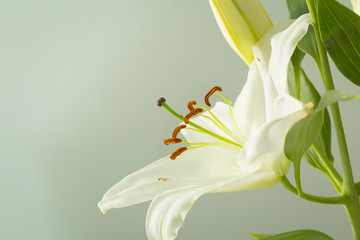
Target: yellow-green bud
[(243, 23)]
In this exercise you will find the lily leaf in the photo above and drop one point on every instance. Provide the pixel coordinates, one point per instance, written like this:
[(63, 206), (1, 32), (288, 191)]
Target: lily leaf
[(340, 32), (297, 8), (308, 45), (305, 132), (304, 234), (308, 93)]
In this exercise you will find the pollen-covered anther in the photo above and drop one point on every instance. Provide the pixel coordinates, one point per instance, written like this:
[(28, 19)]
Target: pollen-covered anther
[(177, 152), (192, 114), (177, 130), (190, 105), (211, 92), (172, 141)]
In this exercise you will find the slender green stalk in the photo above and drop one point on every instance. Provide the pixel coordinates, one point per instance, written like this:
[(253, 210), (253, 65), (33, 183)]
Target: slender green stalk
[(318, 199), (352, 204), (333, 173)]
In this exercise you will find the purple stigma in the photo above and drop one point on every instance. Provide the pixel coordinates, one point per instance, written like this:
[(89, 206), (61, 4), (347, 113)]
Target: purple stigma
[(160, 101)]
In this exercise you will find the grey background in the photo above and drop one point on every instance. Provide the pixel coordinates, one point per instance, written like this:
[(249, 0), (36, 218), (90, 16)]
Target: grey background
[(78, 85)]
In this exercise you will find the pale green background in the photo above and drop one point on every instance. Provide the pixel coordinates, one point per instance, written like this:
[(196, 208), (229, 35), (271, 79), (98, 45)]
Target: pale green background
[(78, 84)]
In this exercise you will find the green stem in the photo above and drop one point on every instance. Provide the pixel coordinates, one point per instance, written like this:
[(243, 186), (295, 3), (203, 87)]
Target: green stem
[(318, 199), (352, 204), (334, 175)]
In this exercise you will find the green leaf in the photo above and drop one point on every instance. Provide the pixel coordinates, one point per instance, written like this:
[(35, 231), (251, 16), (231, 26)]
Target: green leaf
[(308, 45), (302, 135), (340, 33), (296, 235), (297, 8), (259, 236), (308, 93)]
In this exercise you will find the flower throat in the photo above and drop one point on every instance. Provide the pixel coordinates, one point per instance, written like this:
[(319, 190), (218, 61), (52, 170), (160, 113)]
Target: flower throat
[(233, 141)]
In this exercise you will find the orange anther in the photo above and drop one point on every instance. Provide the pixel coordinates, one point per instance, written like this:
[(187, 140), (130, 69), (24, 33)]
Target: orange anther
[(211, 92), (177, 130), (172, 141), (178, 152), (190, 105), (192, 114)]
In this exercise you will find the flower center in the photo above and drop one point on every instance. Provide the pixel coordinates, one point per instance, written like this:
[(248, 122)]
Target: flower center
[(231, 139)]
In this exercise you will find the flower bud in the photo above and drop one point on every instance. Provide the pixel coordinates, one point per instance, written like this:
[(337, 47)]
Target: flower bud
[(243, 23)]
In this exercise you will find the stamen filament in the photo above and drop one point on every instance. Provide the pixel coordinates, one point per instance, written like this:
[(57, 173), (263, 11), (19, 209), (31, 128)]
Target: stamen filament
[(222, 126), (232, 115), (219, 144), (170, 110)]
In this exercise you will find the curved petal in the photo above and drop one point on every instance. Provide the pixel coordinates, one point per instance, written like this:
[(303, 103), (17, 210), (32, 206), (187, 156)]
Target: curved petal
[(273, 53), (194, 167), (249, 108), (265, 146), (167, 211), (356, 6), (262, 50), (221, 111), (283, 46)]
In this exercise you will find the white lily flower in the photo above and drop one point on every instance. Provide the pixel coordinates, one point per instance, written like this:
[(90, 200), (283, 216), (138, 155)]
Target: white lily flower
[(243, 23), (231, 148), (356, 6)]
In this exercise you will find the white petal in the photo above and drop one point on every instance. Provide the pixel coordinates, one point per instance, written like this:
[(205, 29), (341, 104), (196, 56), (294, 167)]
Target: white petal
[(285, 105), (265, 146), (194, 167), (221, 111), (167, 211), (249, 108), (262, 49), (273, 53), (283, 45), (356, 6)]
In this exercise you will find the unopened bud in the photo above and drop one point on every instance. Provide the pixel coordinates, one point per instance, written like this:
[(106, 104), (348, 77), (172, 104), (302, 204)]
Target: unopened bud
[(243, 23)]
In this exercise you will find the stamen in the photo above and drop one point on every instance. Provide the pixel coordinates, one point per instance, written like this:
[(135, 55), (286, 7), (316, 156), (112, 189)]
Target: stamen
[(199, 128), (177, 130), (221, 126), (211, 92), (192, 114), (232, 115), (172, 141), (160, 101), (178, 152), (190, 105), (204, 144)]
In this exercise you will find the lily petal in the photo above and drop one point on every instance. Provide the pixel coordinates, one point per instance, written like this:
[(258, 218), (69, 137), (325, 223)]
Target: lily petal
[(356, 6), (194, 167), (249, 108), (167, 211), (283, 46), (273, 53), (265, 147)]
